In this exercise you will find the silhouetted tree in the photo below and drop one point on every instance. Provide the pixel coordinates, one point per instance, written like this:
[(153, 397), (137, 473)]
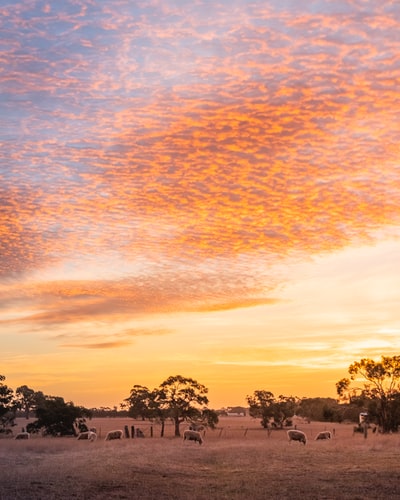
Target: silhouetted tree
[(180, 397), (320, 409), (265, 406), (7, 406), (209, 418), (380, 391), (260, 406), (26, 399), (139, 402), (58, 418), (145, 404)]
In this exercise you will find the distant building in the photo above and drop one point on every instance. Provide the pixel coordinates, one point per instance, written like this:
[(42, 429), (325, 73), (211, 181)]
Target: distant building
[(236, 411)]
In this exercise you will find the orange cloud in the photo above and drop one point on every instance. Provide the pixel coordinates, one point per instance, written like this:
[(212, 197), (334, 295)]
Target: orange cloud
[(198, 151)]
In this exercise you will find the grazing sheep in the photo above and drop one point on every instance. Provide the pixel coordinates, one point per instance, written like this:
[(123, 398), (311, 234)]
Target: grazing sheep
[(22, 435), (197, 427), (114, 435), (92, 436), (89, 435), (295, 435), (323, 435), (192, 436), (83, 435)]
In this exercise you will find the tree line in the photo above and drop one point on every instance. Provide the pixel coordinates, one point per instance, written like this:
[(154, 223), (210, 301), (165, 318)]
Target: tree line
[(177, 398), (373, 388)]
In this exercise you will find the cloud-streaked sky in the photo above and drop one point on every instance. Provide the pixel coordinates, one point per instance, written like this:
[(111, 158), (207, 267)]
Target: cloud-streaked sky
[(209, 189)]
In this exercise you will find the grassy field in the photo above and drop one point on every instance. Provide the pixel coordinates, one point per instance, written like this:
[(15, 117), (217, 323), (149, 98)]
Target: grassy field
[(237, 461)]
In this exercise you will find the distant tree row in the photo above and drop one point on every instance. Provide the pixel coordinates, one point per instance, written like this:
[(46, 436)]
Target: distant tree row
[(278, 412), (373, 387)]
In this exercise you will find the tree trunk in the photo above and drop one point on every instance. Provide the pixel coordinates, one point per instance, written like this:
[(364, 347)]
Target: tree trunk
[(177, 433)]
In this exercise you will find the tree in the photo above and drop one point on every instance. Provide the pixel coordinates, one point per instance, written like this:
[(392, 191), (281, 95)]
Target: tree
[(145, 404), (177, 398), (139, 402), (26, 398), (7, 406), (209, 418), (380, 391), (320, 409), (180, 397), (58, 418), (265, 406), (283, 410), (260, 404)]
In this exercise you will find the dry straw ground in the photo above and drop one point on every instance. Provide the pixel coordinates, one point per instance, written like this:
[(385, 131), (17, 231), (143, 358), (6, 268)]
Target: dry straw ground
[(236, 461)]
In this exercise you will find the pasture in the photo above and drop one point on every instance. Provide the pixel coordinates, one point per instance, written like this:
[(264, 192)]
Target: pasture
[(236, 461)]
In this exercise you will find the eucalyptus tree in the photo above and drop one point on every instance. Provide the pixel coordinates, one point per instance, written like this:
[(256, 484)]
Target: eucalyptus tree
[(7, 406), (264, 405), (183, 398), (380, 389), (178, 398), (26, 398), (56, 417)]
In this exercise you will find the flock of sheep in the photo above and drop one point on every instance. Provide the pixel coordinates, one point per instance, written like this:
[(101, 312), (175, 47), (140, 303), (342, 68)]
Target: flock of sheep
[(295, 435), (191, 434), (91, 435)]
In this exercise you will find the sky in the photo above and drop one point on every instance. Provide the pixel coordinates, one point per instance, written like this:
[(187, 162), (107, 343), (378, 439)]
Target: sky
[(209, 189)]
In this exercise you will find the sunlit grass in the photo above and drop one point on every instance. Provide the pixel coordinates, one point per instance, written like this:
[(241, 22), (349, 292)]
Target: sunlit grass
[(229, 465)]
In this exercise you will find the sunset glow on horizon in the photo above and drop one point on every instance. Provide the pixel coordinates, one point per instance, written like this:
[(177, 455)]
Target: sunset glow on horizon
[(210, 189)]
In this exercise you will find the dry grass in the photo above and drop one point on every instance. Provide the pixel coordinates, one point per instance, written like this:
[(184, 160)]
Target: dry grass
[(236, 461)]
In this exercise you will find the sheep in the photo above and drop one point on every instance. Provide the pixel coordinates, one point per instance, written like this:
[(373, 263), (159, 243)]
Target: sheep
[(323, 435), (192, 436), (295, 435), (22, 435), (197, 427), (92, 436), (89, 435), (114, 435)]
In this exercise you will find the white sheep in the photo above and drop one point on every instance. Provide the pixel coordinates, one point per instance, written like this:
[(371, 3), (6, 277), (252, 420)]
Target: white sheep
[(118, 434), (92, 436), (89, 435), (193, 426), (192, 436), (323, 435), (295, 435), (22, 435)]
